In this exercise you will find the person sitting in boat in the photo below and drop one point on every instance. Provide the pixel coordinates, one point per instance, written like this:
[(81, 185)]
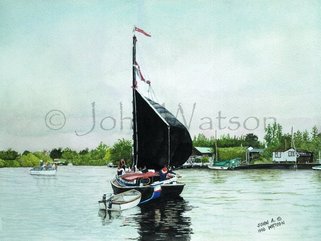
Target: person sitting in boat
[(163, 172), (134, 169), (170, 173), (144, 170), (120, 171), (43, 165), (121, 167), (123, 164)]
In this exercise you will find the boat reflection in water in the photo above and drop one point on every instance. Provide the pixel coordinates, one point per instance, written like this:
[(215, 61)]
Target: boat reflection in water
[(165, 219), (108, 216)]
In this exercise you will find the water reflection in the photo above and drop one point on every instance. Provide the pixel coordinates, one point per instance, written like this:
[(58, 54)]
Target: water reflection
[(108, 216), (164, 220), (219, 176), (316, 176)]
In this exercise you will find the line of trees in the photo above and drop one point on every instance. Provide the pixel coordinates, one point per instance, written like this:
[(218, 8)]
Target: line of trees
[(101, 155), (227, 141), (274, 140)]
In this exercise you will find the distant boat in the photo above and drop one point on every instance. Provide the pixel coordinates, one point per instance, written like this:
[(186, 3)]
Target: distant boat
[(110, 164), (119, 202), (318, 168), (41, 171), (160, 142), (218, 167), (222, 165), (225, 165)]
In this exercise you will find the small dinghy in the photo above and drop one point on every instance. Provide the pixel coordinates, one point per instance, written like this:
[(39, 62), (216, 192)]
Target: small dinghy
[(43, 171), (121, 201), (318, 168)]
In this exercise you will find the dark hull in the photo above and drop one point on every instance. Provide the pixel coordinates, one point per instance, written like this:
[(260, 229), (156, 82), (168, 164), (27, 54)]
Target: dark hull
[(168, 191)]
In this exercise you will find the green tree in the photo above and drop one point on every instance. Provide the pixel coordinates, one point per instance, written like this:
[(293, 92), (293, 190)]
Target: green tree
[(56, 153), (2, 163), (29, 160), (107, 156), (71, 156), (314, 133), (273, 134), (9, 154), (251, 140), (42, 155), (122, 149), (286, 141), (100, 152), (298, 138), (25, 152), (202, 141), (84, 151)]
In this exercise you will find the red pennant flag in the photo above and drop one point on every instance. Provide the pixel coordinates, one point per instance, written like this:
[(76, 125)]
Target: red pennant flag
[(139, 73), (142, 31)]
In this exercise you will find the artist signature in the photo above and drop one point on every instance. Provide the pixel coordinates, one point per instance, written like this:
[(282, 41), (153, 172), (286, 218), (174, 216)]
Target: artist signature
[(270, 224)]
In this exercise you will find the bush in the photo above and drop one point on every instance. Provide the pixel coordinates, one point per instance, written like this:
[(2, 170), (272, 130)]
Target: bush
[(229, 153), (29, 160), (12, 163), (262, 160), (43, 156), (204, 159), (2, 163)]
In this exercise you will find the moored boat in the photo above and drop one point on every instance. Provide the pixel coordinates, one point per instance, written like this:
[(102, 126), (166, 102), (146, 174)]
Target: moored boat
[(122, 201), (218, 167), (318, 168), (40, 171), (225, 165)]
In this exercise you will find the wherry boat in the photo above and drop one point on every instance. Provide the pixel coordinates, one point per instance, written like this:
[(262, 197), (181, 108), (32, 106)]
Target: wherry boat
[(119, 202), (160, 141)]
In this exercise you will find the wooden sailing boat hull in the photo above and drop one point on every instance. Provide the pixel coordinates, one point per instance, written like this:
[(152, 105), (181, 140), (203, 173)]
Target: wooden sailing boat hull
[(167, 190)]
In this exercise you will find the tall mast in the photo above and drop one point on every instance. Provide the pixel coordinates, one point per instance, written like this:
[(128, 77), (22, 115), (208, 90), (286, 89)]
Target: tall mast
[(169, 146), (134, 84), (216, 152)]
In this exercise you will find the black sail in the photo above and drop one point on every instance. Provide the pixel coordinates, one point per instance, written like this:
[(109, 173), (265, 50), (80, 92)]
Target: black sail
[(162, 139)]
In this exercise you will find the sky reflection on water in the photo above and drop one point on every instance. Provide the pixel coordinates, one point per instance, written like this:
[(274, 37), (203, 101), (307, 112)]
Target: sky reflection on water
[(215, 205)]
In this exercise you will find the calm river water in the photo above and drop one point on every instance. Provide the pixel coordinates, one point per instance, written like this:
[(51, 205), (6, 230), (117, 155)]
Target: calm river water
[(215, 205)]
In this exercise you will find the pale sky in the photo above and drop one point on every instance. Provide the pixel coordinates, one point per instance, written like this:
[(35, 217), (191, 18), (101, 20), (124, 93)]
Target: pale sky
[(224, 62)]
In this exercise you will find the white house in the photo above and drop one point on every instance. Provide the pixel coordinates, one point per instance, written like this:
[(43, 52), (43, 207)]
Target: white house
[(286, 156)]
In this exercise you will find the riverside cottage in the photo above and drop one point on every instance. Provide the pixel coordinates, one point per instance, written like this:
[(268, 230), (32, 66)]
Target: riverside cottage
[(197, 154), (285, 156), (202, 151), (292, 155)]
